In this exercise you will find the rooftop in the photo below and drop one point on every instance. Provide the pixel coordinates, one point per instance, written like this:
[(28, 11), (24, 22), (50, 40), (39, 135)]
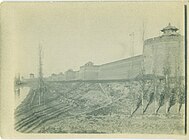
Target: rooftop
[(169, 27), (126, 59)]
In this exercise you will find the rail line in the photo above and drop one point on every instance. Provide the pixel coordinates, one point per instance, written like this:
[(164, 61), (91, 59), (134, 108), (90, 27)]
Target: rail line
[(34, 119), (28, 107)]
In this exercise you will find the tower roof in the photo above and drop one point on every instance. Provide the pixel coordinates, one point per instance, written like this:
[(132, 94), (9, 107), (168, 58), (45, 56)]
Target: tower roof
[(169, 27), (89, 63)]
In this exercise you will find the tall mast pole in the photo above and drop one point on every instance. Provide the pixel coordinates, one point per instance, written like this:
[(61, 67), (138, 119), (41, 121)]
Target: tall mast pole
[(40, 74), (132, 49), (143, 84), (132, 54), (154, 80)]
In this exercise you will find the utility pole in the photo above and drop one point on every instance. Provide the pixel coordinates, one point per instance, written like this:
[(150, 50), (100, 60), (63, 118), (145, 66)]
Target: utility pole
[(155, 88), (132, 54), (40, 78), (143, 87), (167, 82), (132, 50), (143, 70), (154, 78)]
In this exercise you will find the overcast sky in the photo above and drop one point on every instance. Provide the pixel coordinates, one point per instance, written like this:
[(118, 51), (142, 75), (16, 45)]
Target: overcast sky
[(72, 34)]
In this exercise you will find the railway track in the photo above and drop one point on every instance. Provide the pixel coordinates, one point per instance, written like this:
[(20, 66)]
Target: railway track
[(34, 121), (35, 118), (25, 107)]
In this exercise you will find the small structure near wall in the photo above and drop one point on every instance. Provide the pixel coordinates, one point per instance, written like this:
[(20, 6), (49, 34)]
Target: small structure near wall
[(32, 76)]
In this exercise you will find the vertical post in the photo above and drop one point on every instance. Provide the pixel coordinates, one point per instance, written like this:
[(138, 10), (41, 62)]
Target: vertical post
[(166, 87), (131, 72), (143, 88), (40, 74), (132, 53), (154, 77), (143, 70), (155, 90), (167, 83)]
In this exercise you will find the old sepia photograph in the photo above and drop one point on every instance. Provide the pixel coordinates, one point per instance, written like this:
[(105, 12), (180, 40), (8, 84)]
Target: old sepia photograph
[(94, 67)]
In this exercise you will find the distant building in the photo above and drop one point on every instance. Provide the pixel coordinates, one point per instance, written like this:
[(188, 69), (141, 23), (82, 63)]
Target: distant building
[(32, 76), (57, 77), (89, 71), (70, 75)]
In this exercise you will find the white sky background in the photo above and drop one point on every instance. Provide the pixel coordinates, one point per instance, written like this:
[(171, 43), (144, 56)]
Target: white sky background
[(74, 33)]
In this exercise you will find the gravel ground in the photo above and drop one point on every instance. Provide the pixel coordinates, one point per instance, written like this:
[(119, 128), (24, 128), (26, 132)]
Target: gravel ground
[(154, 124)]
